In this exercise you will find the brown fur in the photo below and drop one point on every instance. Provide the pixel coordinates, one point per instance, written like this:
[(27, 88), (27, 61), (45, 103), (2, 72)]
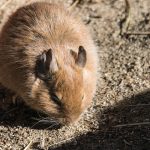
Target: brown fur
[(33, 29)]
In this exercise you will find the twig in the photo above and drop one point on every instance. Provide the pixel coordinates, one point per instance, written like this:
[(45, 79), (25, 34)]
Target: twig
[(137, 33), (137, 105), (128, 14), (74, 5), (5, 4), (148, 139), (43, 141), (132, 124), (28, 146), (126, 21)]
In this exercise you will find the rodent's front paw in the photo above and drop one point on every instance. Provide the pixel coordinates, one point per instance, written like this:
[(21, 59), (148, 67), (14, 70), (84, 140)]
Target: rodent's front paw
[(16, 100), (8, 98)]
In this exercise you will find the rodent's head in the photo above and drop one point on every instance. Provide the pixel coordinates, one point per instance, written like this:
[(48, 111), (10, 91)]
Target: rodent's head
[(59, 87)]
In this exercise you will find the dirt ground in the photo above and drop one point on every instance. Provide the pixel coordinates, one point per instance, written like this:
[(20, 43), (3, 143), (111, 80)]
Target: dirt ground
[(120, 116)]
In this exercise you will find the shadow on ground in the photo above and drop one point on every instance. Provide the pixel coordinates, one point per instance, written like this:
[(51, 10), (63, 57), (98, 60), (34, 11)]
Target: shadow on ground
[(19, 114), (123, 127)]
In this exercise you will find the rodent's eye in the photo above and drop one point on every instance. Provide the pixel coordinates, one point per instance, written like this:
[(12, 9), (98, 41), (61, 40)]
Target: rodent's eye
[(82, 97), (56, 100)]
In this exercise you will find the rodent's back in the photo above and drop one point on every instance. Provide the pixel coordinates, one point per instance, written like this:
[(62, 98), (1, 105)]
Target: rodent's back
[(33, 29), (37, 27)]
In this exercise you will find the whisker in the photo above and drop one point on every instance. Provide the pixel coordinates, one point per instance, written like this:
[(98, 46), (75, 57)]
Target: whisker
[(7, 112), (53, 125), (45, 121), (36, 123), (42, 118)]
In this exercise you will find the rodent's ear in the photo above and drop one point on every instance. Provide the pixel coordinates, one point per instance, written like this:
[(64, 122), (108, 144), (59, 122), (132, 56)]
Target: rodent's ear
[(46, 64), (46, 59), (81, 58)]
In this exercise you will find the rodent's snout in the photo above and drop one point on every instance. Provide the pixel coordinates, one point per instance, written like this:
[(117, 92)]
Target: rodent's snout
[(69, 120), (65, 121)]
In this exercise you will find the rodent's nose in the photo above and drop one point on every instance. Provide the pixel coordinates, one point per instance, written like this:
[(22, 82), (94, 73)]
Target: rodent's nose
[(64, 121), (69, 120)]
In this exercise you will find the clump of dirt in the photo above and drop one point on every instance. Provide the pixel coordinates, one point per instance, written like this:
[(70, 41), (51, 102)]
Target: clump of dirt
[(119, 118)]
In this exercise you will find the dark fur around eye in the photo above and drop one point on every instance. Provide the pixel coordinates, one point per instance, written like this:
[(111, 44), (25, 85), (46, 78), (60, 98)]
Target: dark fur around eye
[(82, 97), (53, 96), (56, 99)]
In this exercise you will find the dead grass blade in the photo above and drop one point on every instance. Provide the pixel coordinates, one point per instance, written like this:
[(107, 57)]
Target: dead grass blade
[(132, 124), (74, 4), (126, 21), (137, 33), (28, 146)]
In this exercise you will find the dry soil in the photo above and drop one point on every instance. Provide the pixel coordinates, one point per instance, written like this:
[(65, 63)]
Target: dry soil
[(120, 116)]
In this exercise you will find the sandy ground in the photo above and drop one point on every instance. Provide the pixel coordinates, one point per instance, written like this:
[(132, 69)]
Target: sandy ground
[(120, 116)]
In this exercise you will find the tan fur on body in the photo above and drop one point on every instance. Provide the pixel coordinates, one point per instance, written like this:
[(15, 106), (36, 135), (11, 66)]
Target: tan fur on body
[(28, 33)]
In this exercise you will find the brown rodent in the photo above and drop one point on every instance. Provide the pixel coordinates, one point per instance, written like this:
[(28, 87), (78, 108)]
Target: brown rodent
[(48, 58)]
